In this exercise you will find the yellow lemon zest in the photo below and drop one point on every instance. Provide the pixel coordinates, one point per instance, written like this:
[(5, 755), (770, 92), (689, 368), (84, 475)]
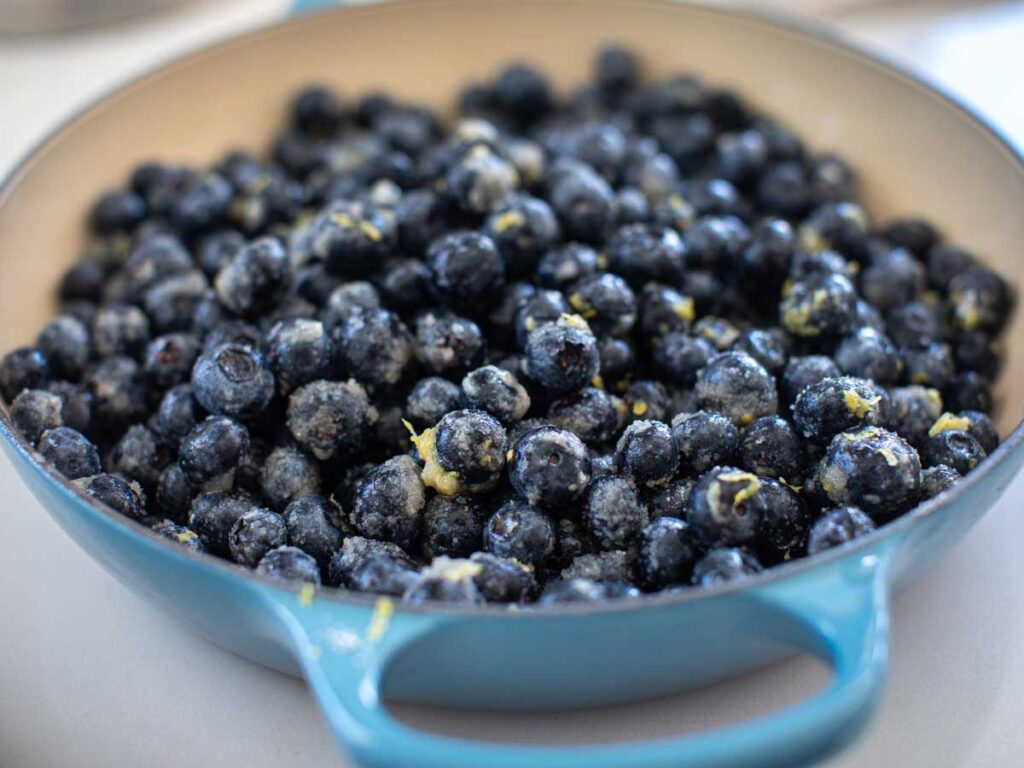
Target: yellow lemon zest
[(948, 421)]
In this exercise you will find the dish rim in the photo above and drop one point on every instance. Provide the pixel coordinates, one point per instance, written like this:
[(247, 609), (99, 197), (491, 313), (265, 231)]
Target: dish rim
[(827, 37)]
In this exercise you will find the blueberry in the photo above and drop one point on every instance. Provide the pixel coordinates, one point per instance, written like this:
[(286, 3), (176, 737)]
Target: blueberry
[(583, 202), (177, 414), (117, 493), (519, 531), (679, 357), (765, 261), (521, 93), (184, 537), (453, 526), (256, 278), (523, 228), (670, 499), (667, 553), (838, 526), (647, 452), (566, 264), (117, 212), (171, 304), (298, 351), (550, 467), (713, 242), (351, 237), (286, 475), (118, 394), (614, 567), (496, 391), (168, 359), (216, 250), (873, 469), (212, 449), (346, 299), (641, 253), (562, 356), (718, 332), (120, 329), (430, 399), (974, 351), (736, 385), (868, 354), (254, 534), (616, 362), (802, 372), (725, 507), (232, 380), (153, 259), (834, 405), (330, 418), (232, 332), (69, 452), (82, 282), (591, 414), (480, 180), (355, 552), (935, 480), (649, 399), (66, 344), (725, 564), (374, 347), (463, 452), (584, 591), (420, 217), (915, 322), (892, 279), (446, 580), (606, 302), (389, 502), (316, 111), (138, 455), (213, 516), (784, 189), (968, 391), (981, 428), (769, 347), (929, 364), (784, 523), (466, 269), (534, 310), (289, 564), (949, 445), (383, 575), (447, 344), (980, 300), (614, 514), (630, 207), (501, 580), (819, 306), (771, 447), (34, 411), (174, 493), (914, 410), (944, 262)]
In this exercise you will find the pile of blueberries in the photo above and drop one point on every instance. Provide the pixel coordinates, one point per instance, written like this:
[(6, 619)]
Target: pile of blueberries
[(638, 339)]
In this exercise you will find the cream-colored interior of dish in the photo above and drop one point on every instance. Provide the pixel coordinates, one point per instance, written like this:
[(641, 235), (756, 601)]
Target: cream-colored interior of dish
[(914, 152)]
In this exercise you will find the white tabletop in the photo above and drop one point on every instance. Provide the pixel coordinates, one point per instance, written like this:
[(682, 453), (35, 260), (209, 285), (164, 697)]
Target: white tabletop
[(90, 675)]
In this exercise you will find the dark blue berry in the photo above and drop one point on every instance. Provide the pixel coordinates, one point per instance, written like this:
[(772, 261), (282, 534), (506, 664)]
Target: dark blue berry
[(726, 507), (562, 356), (389, 502), (69, 452), (550, 468), (519, 531), (254, 534), (721, 565), (34, 411), (835, 405), (232, 380), (330, 418), (289, 564), (838, 526), (647, 452), (212, 449), (453, 526), (496, 391)]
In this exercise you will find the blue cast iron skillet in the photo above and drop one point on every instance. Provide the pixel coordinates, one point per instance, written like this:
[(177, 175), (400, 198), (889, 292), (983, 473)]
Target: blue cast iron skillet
[(917, 150)]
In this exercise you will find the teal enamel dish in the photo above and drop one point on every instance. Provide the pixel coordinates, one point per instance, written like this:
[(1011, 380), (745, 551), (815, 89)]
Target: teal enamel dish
[(917, 152)]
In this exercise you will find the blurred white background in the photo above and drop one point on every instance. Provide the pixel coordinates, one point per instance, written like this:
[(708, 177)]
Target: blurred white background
[(92, 676)]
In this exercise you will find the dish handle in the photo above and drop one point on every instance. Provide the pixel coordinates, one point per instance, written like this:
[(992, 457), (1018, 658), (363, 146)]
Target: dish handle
[(842, 612)]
